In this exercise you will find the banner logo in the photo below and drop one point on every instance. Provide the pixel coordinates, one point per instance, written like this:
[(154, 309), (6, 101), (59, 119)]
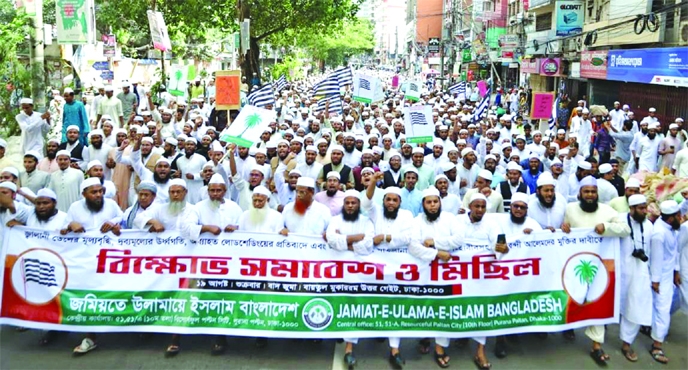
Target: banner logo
[(39, 275), (585, 278), (317, 314)]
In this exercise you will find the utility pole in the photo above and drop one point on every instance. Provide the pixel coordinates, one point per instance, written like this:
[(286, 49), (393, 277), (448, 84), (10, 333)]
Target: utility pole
[(37, 57), (162, 55)]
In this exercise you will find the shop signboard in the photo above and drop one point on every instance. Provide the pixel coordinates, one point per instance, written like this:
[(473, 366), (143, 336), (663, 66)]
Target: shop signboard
[(658, 66)]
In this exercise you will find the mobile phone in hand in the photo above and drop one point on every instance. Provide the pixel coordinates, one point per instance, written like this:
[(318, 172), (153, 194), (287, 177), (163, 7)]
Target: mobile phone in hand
[(501, 239)]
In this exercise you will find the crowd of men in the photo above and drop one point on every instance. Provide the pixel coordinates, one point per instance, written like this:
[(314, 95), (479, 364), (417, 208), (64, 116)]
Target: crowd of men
[(354, 178)]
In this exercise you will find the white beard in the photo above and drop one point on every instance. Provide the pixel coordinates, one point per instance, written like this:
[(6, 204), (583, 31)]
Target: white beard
[(257, 216), (175, 208)]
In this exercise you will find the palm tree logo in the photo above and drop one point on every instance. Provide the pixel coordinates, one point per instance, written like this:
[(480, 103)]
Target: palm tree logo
[(585, 272), (250, 122)]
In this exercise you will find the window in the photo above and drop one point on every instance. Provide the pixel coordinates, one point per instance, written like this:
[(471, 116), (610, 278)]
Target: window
[(543, 22)]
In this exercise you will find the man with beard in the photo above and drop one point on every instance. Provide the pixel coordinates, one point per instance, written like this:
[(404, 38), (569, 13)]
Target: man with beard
[(468, 170), (411, 197), (216, 214), (310, 168), (482, 186), (98, 150), (121, 172), (669, 146), (10, 208), (589, 213), (617, 181), (323, 156), (636, 287), (583, 169), (286, 192), (349, 231), (512, 185), (648, 150), (490, 165), (45, 215), (74, 147), (352, 157), (244, 188), (168, 129), (31, 177), (147, 156), (620, 204), (425, 173), (435, 158), (33, 125), (177, 215), (332, 197), (95, 169), (65, 182), (49, 163), (606, 190), (450, 202), (160, 175), (190, 166), (345, 173), (392, 177), (260, 217), (170, 149), (623, 143), (146, 196), (366, 162), (94, 211), (549, 206), (664, 273), (531, 175), (111, 106), (513, 225), (304, 215)]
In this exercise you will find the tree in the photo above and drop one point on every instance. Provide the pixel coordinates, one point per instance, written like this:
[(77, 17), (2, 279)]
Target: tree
[(270, 18), (354, 38), (16, 77)]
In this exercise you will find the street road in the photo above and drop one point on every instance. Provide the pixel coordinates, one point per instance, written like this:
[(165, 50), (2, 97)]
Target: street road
[(128, 351)]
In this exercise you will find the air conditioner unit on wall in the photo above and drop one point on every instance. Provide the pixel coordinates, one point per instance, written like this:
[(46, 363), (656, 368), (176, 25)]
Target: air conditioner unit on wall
[(574, 45), (554, 47), (683, 33)]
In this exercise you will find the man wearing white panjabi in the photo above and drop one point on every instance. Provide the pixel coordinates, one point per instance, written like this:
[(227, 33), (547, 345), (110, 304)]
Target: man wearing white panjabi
[(98, 150), (216, 214), (547, 206), (351, 231), (636, 288), (33, 126), (393, 227), (589, 213), (606, 190), (305, 215), (160, 177), (664, 272), (146, 195), (648, 149), (190, 166), (66, 181), (683, 266), (10, 209), (46, 216), (260, 217)]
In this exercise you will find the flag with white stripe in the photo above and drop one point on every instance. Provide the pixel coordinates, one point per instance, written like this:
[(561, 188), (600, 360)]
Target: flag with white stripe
[(553, 119), (481, 110), (280, 84), (36, 271), (334, 107), (326, 87), (344, 76), (262, 96), (412, 91), (365, 88), (418, 118), (459, 89)]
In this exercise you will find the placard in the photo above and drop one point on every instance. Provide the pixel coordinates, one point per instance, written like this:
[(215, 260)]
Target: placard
[(541, 107), (227, 86)]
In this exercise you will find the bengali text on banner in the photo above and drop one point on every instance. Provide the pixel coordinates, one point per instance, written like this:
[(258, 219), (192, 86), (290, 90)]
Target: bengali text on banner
[(273, 286)]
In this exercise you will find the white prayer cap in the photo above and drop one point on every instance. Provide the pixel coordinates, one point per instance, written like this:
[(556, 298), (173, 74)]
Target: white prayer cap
[(652, 110), (96, 132), (177, 182), (653, 126), (588, 181), (490, 156), (441, 177), (678, 120), (35, 154), (191, 140), (306, 182), (534, 155), (172, 141), (393, 190), (217, 179), (485, 174), (556, 161), (262, 190), (579, 109), (668, 207), (519, 197), (673, 126), (91, 181), (162, 160), (147, 139), (138, 119), (394, 153), (68, 90), (26, 101), (208, 164), (3, 143), (367, 169), (11, 170), (418, 150), (431, 192), (636, 199), (438, 142), (545, 179), (377, 150), (147, 185), (513, 166), (412, 170), (521, 137), (632, 183), (334, 174), (9, 185), (153, 124), (295, 172), (351, 193), (466, 151), (270, 145), (367, 151), (554, 145), (605, 168), (297, 139), (477, 196), (564, 151), (46, 193), (146, 113), (72, 127), (63, 152), (585, 165), (93, 163), (447, 166), (586, 111)]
